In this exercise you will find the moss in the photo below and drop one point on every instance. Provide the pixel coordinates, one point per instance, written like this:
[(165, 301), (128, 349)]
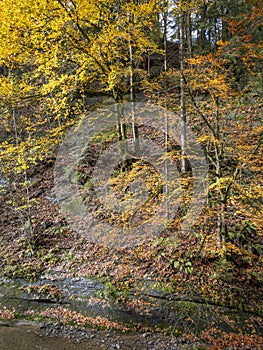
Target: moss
[(26, 271)]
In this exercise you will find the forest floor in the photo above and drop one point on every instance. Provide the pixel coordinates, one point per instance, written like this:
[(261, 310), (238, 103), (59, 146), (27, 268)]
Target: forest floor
[(232, 281)]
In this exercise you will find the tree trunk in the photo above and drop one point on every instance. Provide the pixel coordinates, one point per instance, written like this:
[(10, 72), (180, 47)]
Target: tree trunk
[(189, 35), (165, 35), (203, 26), (135, 133), (182, 90)]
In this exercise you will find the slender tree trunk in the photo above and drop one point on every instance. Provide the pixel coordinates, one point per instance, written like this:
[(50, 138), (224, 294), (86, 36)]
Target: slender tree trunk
[(203, 26), (166, 172), (182, 90), (222, 194), (135, 133), (189, 35), (166, 169), (122, 135), (165, 35)]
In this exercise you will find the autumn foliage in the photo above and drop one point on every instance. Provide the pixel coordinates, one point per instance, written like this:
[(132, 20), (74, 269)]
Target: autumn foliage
[(201, 60)]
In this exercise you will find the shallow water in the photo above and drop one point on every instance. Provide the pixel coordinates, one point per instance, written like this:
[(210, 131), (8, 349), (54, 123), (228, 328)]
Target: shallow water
[(28, 338), (80, 294)]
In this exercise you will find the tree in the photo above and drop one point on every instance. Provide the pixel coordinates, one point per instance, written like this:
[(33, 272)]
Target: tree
[(54, 55)]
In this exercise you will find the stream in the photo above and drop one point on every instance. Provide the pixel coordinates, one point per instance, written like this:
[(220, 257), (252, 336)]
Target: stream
[(77, 293), (81, 295)]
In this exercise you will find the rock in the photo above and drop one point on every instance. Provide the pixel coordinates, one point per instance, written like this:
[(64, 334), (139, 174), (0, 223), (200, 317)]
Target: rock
[(25, 323)]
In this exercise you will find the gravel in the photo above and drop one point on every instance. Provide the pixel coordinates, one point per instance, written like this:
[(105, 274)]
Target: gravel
[(106, 340)]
